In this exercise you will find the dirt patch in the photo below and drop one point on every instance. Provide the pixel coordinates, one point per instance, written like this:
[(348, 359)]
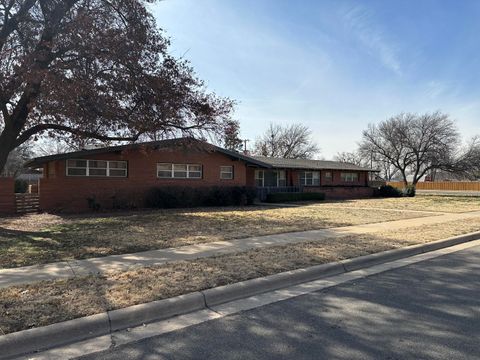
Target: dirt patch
[(27, 306)]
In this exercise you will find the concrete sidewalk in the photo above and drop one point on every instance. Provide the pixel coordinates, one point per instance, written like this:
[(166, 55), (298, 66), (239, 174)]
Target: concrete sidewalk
[(449, 193), (67, 269)]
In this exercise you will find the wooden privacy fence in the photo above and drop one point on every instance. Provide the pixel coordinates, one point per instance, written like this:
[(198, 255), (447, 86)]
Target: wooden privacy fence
[(442, 185), (7, 197), (27, 203)]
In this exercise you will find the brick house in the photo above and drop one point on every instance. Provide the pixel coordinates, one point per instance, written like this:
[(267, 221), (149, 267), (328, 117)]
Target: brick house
[(125, 173)]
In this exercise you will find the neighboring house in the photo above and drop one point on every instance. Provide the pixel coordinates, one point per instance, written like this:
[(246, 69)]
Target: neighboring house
[(124, 174)]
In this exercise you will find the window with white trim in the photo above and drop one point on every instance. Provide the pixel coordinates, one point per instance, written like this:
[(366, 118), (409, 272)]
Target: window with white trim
[(259, 174), (179, 171), (226, 172), (328, 176), (349, 177), (270, 178), (96, 168), (310, 178)]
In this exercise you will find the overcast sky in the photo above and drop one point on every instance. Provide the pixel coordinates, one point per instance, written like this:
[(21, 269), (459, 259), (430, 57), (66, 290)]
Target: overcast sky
[(333, 65)]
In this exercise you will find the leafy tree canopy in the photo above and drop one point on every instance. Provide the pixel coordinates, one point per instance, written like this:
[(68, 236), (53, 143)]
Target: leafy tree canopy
[(97, 69)]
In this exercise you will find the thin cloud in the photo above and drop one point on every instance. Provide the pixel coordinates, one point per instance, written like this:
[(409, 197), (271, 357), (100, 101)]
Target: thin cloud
[(360, 22)]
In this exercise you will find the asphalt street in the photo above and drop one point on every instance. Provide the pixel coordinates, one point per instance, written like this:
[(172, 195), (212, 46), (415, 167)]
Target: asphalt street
[(429, 310)]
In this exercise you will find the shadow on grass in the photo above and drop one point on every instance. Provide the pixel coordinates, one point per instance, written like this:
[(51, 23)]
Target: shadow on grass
[(49, 302), (418, 312)]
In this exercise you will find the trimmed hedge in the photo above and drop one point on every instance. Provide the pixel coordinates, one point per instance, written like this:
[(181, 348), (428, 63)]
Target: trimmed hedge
[(183, 197), (391, 191), (301, 196), (387, 191), (409, 191)]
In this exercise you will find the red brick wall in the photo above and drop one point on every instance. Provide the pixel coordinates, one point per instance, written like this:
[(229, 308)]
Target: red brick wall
[(59, 192), (250, 174), (7, 196), (293, 178), (336, 179)]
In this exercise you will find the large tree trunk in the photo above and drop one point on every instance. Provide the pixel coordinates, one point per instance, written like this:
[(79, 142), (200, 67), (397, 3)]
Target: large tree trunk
[(7, 144), (3, 158), (404, 176)]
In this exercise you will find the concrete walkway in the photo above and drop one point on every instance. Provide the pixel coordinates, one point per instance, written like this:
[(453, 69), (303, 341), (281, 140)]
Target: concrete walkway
[(449, 193), (66, 269)]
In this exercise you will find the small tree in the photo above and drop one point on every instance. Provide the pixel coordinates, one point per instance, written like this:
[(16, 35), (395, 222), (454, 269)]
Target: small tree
[(293, 142), (414, 143), (231, 136), (468, 163)]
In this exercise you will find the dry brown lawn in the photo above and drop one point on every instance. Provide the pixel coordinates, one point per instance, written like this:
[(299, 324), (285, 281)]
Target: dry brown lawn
[(23, 307), (38, 239), (448, 204)]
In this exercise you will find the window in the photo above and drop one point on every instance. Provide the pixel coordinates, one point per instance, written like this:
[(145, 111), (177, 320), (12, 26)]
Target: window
[(97, 168), (226, 172), (328, 176), (164, 170), (117, 168), (281, 178), (259, 174), (309, 178), (77, 167), (179, 171), (270, 178), (100, 168), (349, 177)]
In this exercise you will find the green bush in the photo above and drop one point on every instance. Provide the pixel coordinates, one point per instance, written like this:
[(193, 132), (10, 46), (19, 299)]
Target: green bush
[(182, 197), (303, 196), (409, 191), (388, 191), (21, 186)]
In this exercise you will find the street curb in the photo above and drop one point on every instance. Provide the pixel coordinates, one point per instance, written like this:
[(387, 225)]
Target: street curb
[(155, 310), (243, 289), (31, 340)]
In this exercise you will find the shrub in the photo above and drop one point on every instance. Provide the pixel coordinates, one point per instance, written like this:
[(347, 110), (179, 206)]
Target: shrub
[(178, 196), (93, 204), (409, 191), (303, 196), (21, 186), (388, 191)]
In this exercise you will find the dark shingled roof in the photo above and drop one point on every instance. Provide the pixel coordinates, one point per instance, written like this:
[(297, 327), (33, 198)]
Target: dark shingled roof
[(261, 161), (309, 164), (180, 142)]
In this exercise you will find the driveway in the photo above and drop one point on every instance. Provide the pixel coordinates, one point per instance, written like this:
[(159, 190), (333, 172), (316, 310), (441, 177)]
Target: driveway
[(429, 310)]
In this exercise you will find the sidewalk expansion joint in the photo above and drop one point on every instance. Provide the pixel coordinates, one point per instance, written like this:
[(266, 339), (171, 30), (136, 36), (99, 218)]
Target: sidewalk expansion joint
[(71, 268)]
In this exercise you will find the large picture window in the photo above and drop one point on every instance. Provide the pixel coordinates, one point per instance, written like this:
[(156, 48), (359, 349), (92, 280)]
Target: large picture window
[(97, 168), (310, 178), (349, 177), (179, 171)]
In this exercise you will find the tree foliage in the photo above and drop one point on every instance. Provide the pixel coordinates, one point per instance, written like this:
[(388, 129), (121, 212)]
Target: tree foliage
[(468, 163), (95, 69), (414, 144), (231, 137), (16, 159), (291, 141)]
